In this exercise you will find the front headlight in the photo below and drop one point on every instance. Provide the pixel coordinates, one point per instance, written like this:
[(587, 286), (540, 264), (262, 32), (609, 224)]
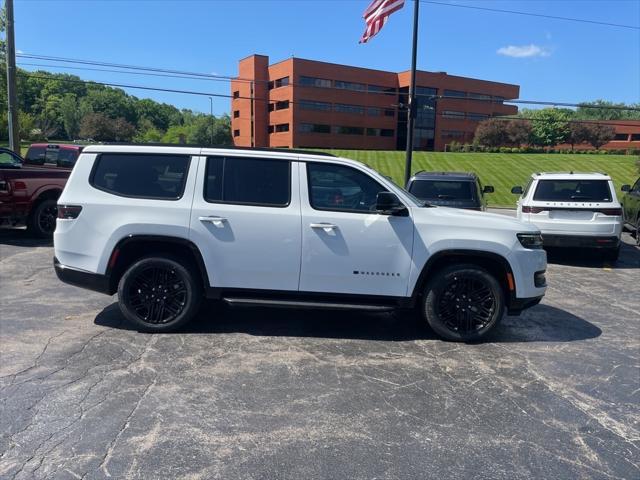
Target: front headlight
[(531, 241)]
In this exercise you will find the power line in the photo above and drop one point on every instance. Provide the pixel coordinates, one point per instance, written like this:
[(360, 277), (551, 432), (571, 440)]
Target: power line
[(531, 14), (395, 107)]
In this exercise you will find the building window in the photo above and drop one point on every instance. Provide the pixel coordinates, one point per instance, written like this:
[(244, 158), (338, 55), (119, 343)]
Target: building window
[(374, 111), (282, 127), (236, 133), (270, 107), (389, 112), (380, 132), (311, 105), (452, 134), (498, 99), (280, 82), (236, 94), (479, 96), (271, 129), (350, 130), (353, 109), (282, 105), (314, 82), (453, 114), (635, 137), (621, 137), (379, 89), (359, 87), (477, 117), (314, 128), (455, 93), (236, 113)]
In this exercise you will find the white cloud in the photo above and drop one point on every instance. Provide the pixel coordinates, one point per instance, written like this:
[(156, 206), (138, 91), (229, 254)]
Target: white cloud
[(524, 51), (19, 51)]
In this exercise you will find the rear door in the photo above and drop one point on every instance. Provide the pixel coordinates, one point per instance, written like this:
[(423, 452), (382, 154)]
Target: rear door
[(246, 221)]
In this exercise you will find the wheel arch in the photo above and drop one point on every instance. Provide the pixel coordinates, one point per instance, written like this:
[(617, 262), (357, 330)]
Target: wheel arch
[(494, 263), (134, 247)]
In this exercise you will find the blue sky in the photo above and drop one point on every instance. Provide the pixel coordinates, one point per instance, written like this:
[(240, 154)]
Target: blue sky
[(550, 59)]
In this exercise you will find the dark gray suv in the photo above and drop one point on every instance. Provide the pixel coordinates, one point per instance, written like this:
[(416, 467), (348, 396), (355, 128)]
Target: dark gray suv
[(450, 189)]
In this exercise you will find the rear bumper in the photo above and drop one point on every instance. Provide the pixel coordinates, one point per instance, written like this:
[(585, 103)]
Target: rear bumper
[(580, 241), (517, 305), (83, 279)]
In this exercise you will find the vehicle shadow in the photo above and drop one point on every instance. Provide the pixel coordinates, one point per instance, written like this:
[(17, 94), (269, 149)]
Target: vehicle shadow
[(19, 237), (588, 258), (539, 324)]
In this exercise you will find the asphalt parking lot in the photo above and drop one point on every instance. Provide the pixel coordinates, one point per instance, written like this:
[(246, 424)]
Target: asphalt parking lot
[(255, 393)]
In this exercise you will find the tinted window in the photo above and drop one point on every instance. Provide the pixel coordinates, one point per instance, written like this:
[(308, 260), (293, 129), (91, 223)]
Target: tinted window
[(442, 190), (254, 181), (573, 191), (35, 155), (335, 187), (141, 175)]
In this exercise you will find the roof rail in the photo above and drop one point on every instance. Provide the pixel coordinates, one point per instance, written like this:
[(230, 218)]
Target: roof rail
[(227, 147)]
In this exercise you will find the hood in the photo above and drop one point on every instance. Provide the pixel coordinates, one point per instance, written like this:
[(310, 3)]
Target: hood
[(470, 219)]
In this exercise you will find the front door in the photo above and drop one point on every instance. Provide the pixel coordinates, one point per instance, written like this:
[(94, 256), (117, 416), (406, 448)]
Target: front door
[(348, 248), (246, 221)]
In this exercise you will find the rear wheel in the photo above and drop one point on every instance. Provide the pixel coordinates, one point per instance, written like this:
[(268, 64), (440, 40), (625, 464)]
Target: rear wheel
[(42, 221), (463, 303), (159, 294)]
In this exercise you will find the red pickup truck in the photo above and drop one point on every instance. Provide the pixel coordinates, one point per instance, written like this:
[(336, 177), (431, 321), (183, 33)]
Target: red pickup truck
[(28, 194)]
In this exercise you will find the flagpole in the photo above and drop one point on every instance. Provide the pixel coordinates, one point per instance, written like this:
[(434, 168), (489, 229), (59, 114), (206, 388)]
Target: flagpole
[(411, 114)]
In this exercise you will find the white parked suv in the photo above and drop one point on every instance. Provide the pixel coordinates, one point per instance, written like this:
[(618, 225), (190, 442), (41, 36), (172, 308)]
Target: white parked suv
[(166, 226), (573, 210)]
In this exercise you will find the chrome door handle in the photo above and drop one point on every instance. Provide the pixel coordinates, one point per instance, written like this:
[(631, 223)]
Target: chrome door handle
[(325, 226), (217, 221)]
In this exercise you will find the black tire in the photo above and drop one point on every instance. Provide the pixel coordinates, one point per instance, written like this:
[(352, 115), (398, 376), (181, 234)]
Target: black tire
[(638, 232), (42, 221), (463, 303), (159, 294)]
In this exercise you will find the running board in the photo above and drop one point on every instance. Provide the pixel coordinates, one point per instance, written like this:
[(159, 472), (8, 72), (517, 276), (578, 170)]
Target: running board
[(302, 304)]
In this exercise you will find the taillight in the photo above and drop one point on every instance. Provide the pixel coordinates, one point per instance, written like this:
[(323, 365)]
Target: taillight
[(615, 212), (69, 212), (527, 209)]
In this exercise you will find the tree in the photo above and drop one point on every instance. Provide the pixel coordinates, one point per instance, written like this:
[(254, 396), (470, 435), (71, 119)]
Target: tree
[(604, 110), (491, 133), (71, 115), (518, 132), (578, 134), (549, 126), (96, 126), (597, 134), (123, 131)]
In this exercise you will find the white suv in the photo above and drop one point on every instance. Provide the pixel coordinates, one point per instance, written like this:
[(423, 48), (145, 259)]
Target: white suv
[(573, 210), (166, 226)]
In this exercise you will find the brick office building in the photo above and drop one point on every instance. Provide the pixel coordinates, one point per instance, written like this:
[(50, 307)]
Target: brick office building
[(305, 103)]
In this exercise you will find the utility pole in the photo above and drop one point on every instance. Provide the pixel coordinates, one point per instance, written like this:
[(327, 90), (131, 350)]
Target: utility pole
[(213, 121), (12, 97), (411, 114)]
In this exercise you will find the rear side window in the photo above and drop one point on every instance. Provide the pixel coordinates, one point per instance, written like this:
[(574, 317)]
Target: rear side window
[(141, 175), (248, 181), (447, 190), (573, 191)]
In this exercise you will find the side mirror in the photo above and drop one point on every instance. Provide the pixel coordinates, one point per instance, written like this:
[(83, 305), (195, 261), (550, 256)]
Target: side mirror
[(388, 203), (488, 189), (626, 188), (517, 190)]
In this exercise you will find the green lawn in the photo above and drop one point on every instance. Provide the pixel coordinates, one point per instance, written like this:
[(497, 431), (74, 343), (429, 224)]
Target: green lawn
[(502, 170)]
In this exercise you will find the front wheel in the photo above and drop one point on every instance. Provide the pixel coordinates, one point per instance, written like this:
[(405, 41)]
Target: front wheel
[(158, 294), (463, 303)]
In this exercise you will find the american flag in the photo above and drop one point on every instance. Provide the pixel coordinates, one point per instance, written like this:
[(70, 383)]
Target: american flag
[(377, 14)]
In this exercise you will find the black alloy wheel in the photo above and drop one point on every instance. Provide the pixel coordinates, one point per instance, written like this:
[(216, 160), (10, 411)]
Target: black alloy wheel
[(159, 294), (42, 222), (463, 302)]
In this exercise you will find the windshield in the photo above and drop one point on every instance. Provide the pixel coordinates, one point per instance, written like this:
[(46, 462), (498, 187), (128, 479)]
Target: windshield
[(573, 191), (442, 190), (8, 160)]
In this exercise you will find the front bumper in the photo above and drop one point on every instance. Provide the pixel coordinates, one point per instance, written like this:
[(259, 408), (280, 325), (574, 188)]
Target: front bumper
[(580, 241), (83, 279), (517, 305)]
